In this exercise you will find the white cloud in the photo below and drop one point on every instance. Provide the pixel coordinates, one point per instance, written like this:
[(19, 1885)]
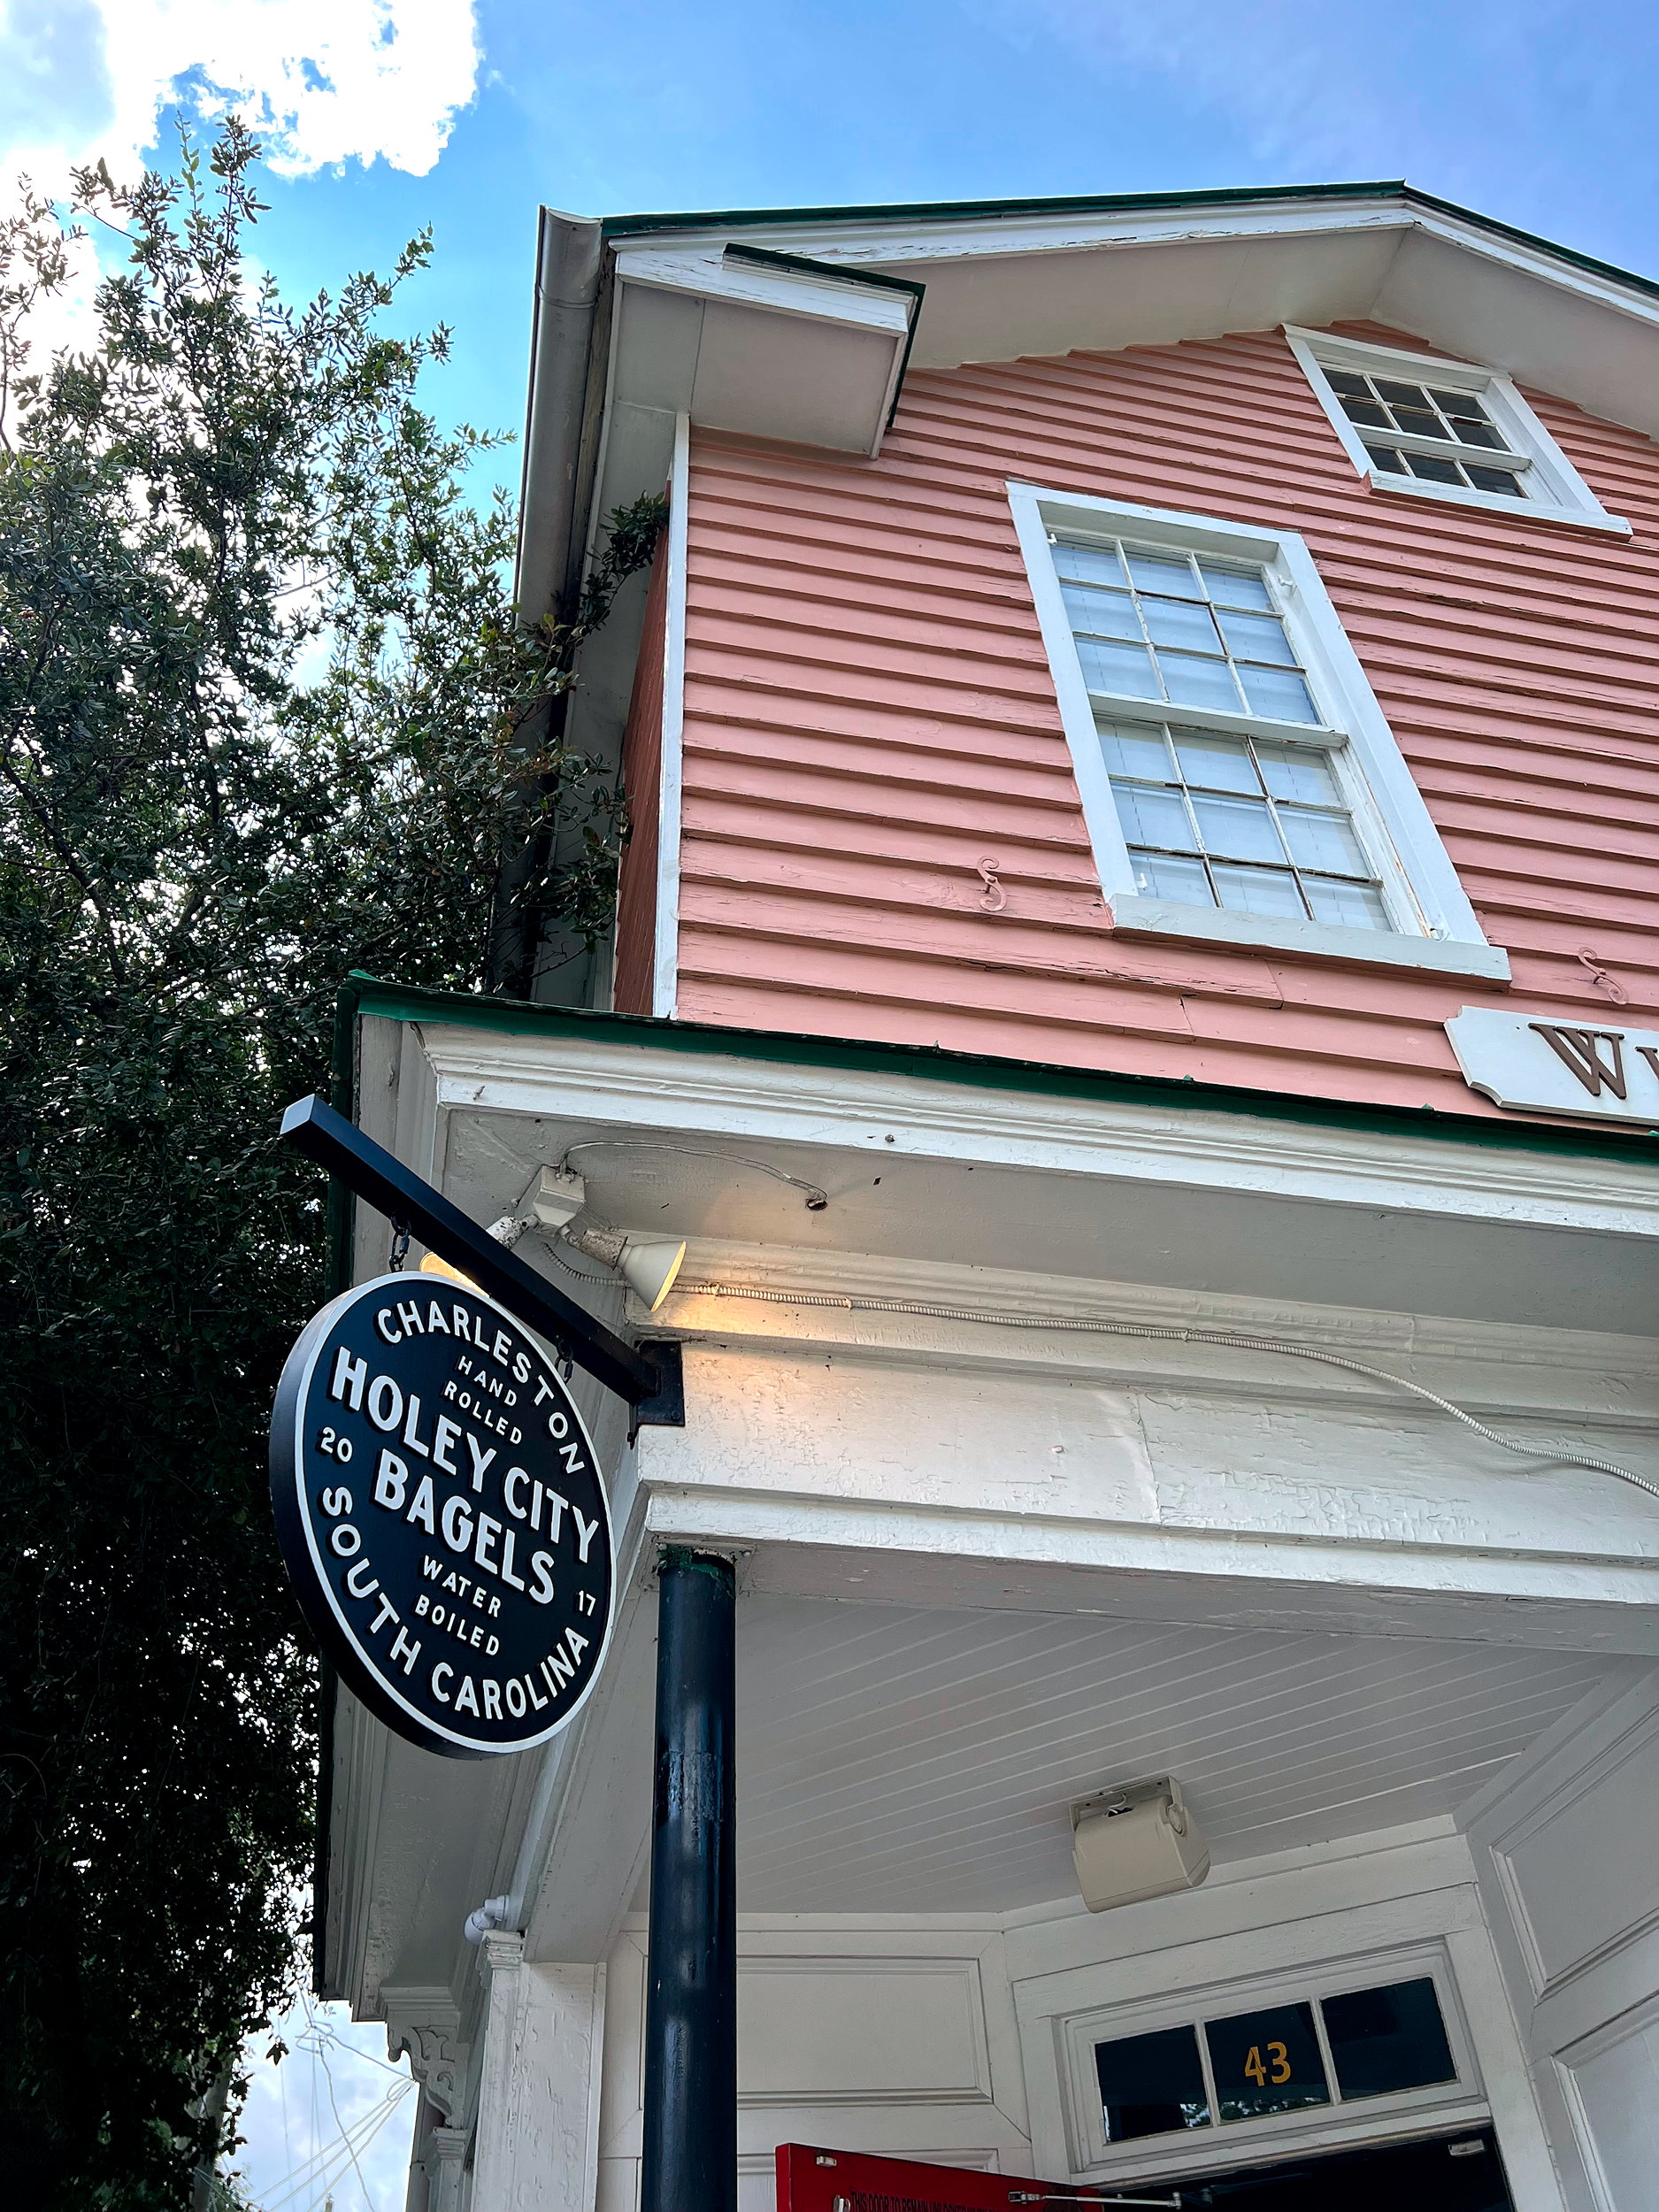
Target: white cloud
[(323, 81)]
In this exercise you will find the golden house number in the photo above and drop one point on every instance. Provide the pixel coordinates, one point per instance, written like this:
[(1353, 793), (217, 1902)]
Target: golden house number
[(1276, 2070)]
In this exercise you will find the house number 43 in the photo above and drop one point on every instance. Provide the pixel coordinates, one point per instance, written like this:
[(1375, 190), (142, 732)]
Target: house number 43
[(1277, 2069)]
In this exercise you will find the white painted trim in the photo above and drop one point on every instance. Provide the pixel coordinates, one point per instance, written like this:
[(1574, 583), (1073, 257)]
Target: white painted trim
[(705, 273), (1436, 926), (1162, 917), (1565, 498), (671, 768), (899, 1115), (902, 239), (1341, 2122)]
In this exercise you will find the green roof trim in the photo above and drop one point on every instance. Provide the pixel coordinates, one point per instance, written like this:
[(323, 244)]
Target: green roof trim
[(933, 1063), (616, 226)]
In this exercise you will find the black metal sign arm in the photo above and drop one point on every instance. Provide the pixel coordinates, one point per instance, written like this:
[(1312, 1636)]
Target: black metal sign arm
[(312, 1126)]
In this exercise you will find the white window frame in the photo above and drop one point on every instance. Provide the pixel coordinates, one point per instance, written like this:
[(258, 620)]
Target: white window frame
[(1341, 2124), (1553, 490), (1435, 927)]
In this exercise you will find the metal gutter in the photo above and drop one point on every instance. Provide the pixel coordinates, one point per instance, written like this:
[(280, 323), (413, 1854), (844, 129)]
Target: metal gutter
[(569, 257), (616, 226), (934, 1063)]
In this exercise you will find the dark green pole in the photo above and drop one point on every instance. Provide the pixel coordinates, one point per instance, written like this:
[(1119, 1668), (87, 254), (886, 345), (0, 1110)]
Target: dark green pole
[(690, 2148)]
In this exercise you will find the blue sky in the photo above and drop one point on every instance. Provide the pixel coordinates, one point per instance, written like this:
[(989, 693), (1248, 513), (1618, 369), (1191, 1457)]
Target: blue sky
[(385, 115), (467, 117)]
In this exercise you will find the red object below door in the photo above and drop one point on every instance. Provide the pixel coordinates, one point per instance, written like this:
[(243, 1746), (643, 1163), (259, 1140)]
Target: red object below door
[(811, 2180)]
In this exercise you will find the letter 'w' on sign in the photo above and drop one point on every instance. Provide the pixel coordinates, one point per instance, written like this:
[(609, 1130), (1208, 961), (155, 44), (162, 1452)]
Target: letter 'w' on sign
[(1580, 1050)]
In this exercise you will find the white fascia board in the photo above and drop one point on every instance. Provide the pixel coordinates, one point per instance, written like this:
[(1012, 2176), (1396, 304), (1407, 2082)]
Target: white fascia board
[(705, 273), (1450, 939), (1537, 263), (769, 353), (1571, 500), (882, 1114), (885, 241)]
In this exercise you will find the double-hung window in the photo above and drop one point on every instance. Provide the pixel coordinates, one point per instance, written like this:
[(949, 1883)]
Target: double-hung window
[(1240, 780), (1443, 429)]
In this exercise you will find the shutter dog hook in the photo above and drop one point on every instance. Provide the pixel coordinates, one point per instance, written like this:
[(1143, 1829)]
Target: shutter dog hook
[(1610, 984), (993, 897)]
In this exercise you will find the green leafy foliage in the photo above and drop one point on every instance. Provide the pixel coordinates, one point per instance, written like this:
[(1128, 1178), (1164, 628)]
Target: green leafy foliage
[(266, 716)]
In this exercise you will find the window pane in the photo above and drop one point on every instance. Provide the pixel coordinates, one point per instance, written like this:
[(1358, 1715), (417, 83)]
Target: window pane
[(1195, 683), (1266, 2061), (1240, 828), (1235, 586), (1278, 693), (1182, 881), (1291, 772), (1125, 669), (1089, 564), (1386, 458), (1181, 622), (1383, 2039), (1368, 412), (1151, 2084), (1153, 817), (1494, 480), (1150, 573), (1323, 841), (1431, 466), (1216, 763), (1345, 381), (1417, 423), (1459, 403), (1258, 891), (1258, 637), (1131, 752), (1476, 433), (1346, 906), (1107, 613), (1401, 394)]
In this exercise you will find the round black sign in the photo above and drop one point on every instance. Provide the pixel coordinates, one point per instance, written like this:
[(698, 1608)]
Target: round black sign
[(439, 1507)]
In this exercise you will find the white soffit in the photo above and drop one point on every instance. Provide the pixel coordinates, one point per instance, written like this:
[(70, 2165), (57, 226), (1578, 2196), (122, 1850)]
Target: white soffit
[(773, 352), (1000, 288)]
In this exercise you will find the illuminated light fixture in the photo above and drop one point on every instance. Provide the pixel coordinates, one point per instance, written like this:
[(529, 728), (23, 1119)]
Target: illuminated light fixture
[(1136, 1842), (431, 1264), (647, 1265)]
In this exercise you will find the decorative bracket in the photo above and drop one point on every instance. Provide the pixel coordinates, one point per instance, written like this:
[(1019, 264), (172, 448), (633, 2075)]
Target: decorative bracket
[(437, 2060)]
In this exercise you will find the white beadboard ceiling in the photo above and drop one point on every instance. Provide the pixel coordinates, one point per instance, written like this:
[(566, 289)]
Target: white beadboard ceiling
[(892, 1760)]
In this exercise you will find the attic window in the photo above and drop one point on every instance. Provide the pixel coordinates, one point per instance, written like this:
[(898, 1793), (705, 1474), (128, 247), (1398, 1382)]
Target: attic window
[(1428, 434), (1435, 428)]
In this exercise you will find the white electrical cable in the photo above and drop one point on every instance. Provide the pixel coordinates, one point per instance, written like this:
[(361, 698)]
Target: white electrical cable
[(1236, 1339)]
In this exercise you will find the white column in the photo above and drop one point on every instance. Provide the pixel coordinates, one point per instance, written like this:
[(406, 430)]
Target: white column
[(443, 2158), (536, 2135)]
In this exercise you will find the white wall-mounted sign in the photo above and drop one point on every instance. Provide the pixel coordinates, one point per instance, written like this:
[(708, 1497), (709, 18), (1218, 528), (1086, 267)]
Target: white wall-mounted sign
[(1556, 1067)]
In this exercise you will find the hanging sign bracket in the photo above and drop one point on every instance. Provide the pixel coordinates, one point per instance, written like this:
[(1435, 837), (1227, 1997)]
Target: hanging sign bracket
[(312, 1126)]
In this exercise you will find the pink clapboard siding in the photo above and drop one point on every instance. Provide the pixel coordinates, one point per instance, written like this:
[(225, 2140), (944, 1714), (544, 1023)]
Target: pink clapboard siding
[(869, 713)]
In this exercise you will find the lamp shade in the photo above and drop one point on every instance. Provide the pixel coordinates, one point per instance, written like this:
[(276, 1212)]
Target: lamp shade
[(648, 1266)]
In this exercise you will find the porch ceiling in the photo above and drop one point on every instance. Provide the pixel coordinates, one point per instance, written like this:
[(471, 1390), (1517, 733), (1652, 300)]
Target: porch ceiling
[(897, 1760)]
